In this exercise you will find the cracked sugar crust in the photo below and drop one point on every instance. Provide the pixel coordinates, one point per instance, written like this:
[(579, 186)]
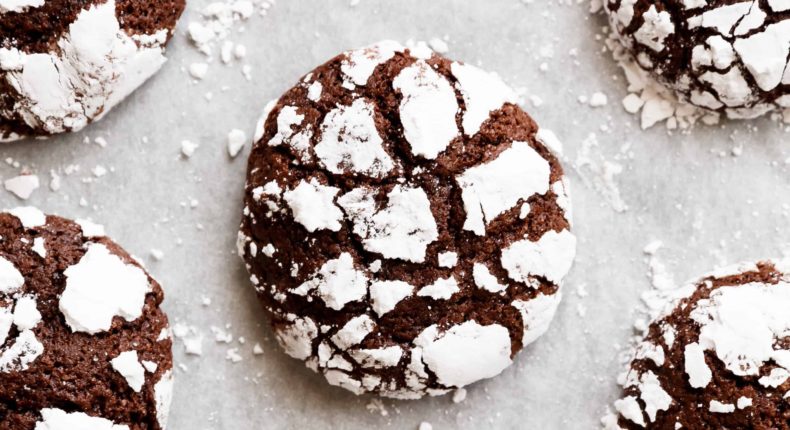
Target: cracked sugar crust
[(719, 357), (87, 55), (51, 374), (722, 55), (363, 181)]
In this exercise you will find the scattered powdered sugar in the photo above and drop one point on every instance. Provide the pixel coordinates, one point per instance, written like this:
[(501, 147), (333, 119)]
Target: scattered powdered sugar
[(236, 141), (88, 304), (22, 186)]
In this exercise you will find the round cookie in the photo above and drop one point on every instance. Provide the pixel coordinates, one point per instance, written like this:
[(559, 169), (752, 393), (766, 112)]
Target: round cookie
[(405, 223), (83, 342), (717, 358), (66, 63), (727, 56)]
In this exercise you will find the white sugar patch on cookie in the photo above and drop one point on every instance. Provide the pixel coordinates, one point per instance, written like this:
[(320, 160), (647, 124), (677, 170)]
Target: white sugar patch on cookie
[(338, 282), (653, 395), (19, 5), (697, 369), (378, 358), (403, 229), (26, 314), (128, 365), (95, 67), (353, 332), (11, 278), (465, 353), (359, 64), (657, 26), (630, 409), (485, 280), (742, 324), (163, 395), (90, 228), (765, 54), (296, 338), (427, 110), (58, 419), (29, 216), (100, 287), (39, 247), (537, 314), (441, 289), (342, 379), (551, 257), (385, 295), (26, 348), (483, 93), (722, 18), (299, 140), (313, 205), (350, 141), (490, 189)]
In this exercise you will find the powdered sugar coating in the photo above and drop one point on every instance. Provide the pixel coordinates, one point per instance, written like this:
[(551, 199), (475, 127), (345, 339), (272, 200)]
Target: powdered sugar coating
[(18, 5), (91, 68), (397, 294), (727, 355), (128, 365), (739, 50), (427, 110), (58, 419), (350, 141), (492, 188), (402, 229), (88, 304)]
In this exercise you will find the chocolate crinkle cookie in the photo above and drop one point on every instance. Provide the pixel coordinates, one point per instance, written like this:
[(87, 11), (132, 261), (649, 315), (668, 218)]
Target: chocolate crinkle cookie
[(83, 342), (66, 63), (717, 358), (723, 55), (405, 223)]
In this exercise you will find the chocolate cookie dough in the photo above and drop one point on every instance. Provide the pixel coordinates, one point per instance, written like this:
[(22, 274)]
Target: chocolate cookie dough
[(727, 56), (405, 223), (718, 357), (83, 342), (66, 63)]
